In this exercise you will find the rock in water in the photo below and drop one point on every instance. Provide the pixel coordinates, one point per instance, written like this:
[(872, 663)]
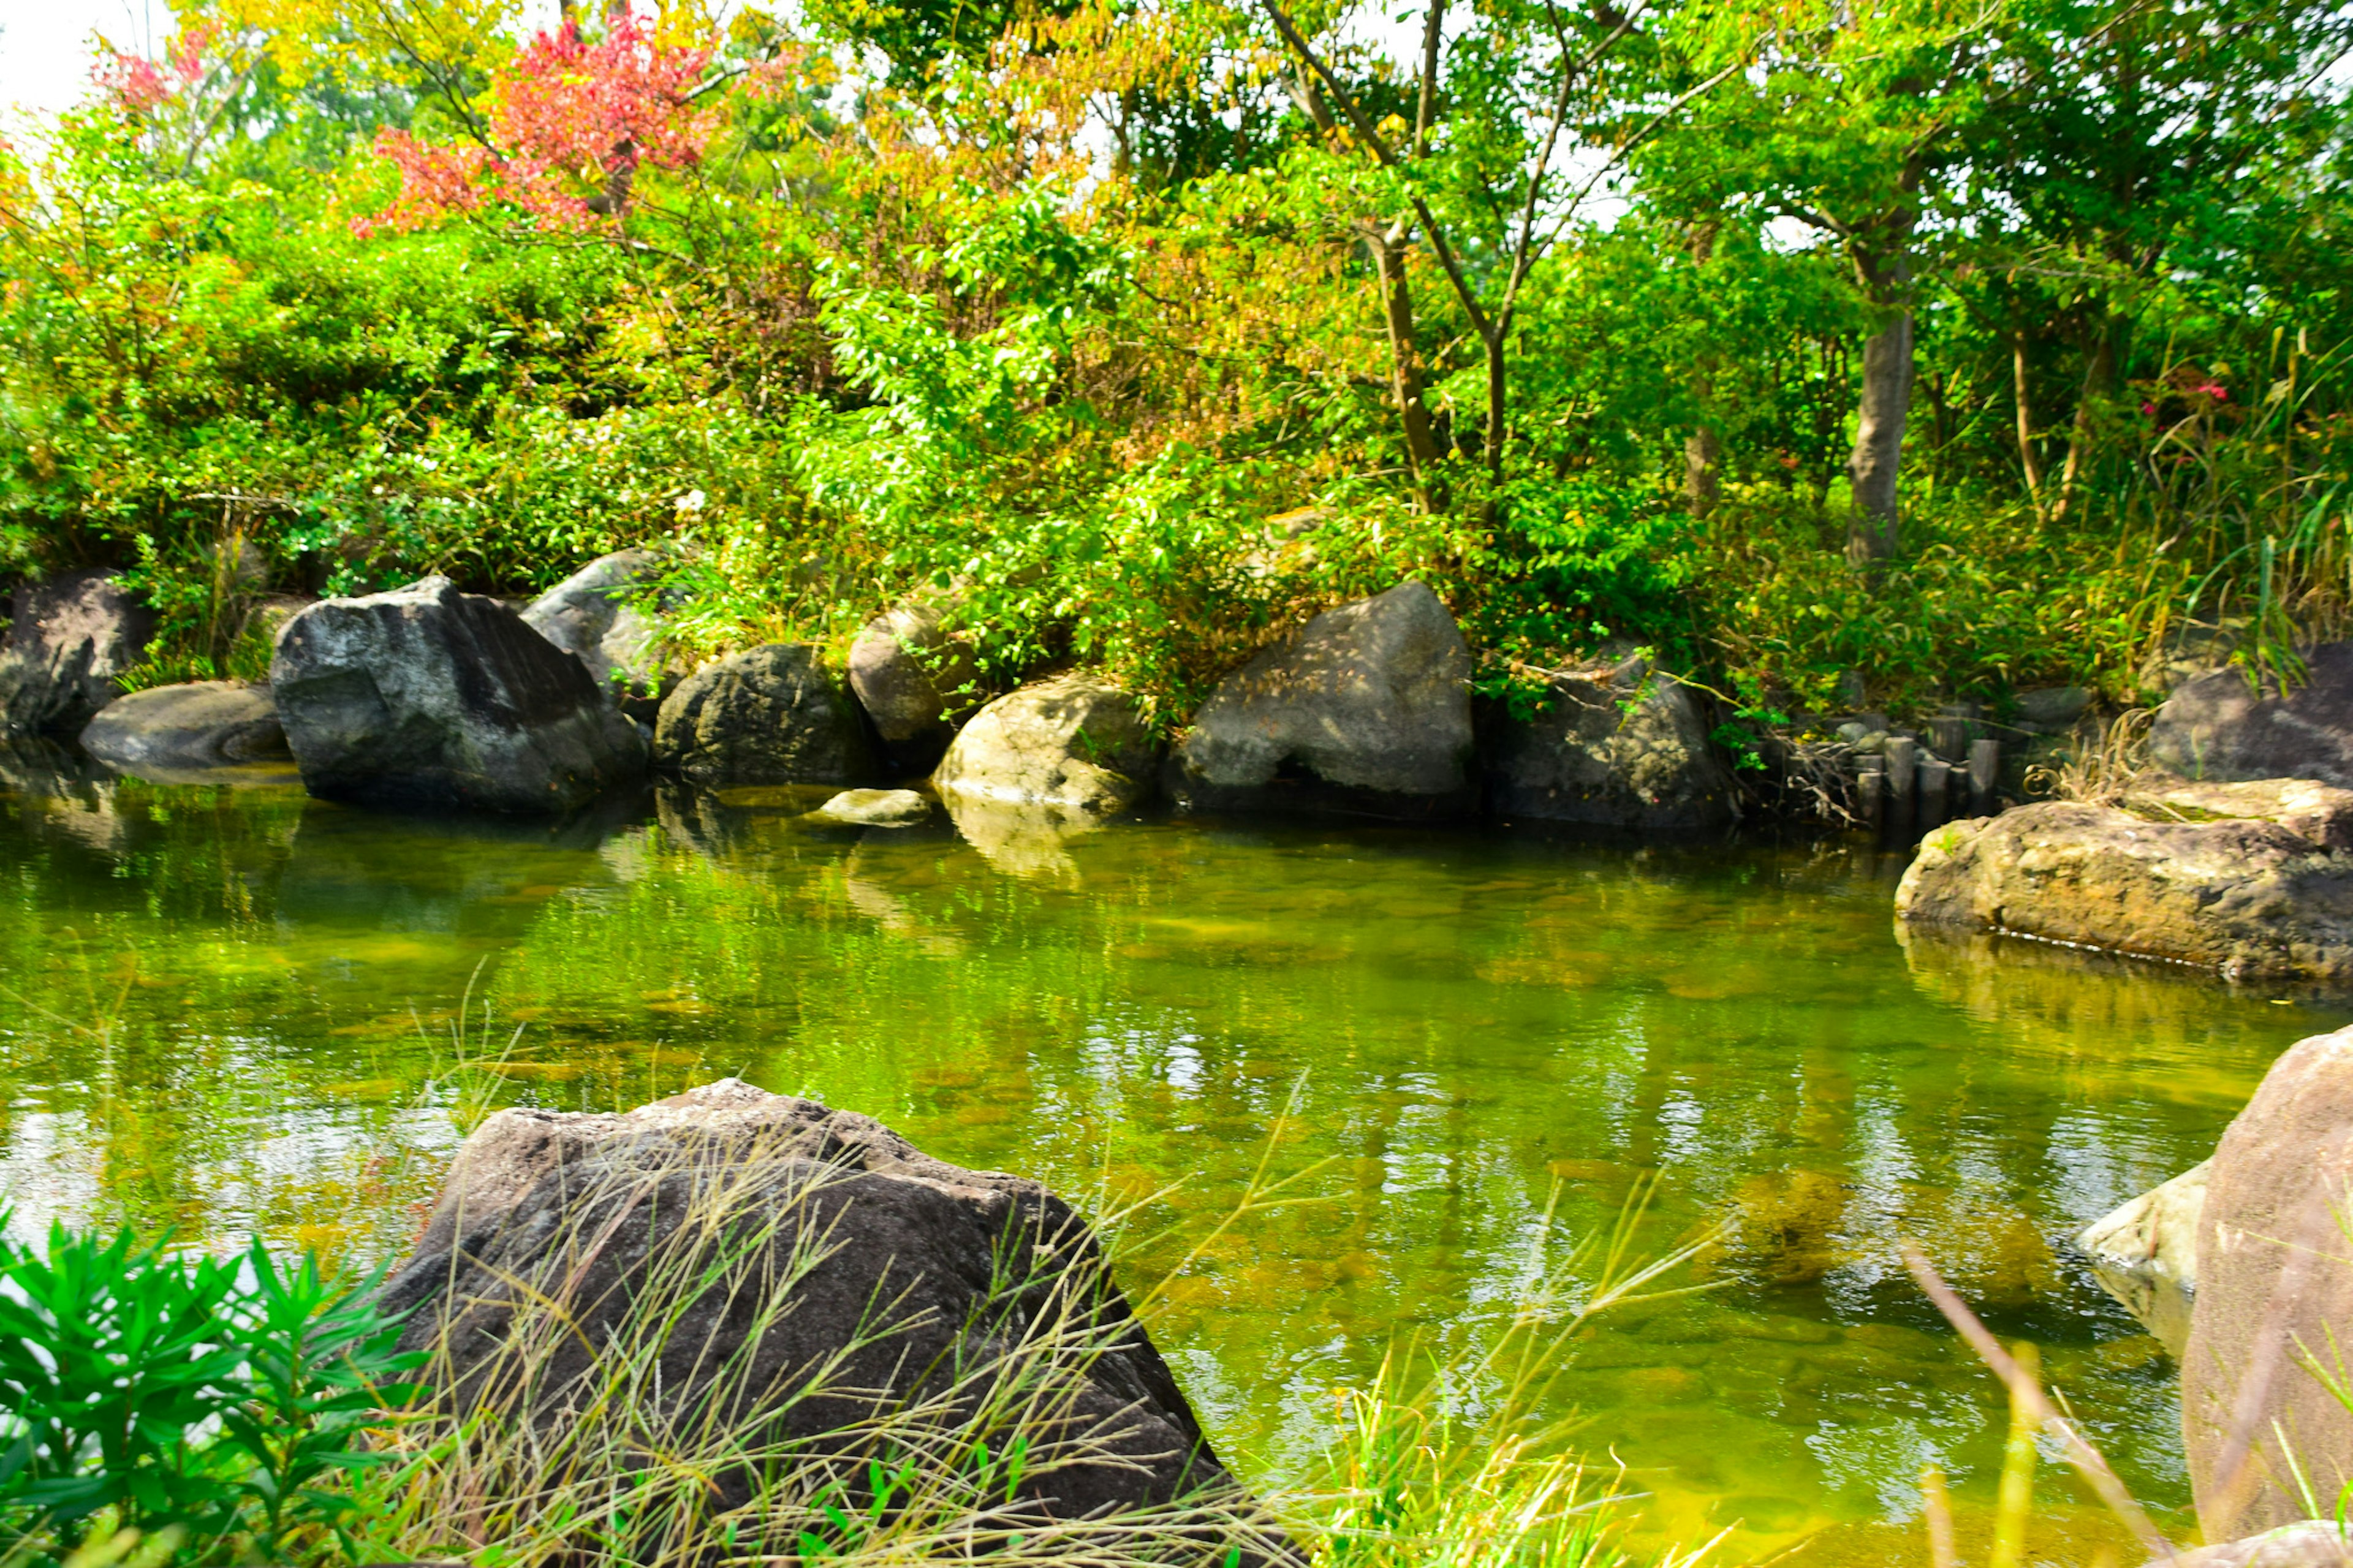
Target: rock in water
[(2145, 1254), (2307, 1543), (590, 615), (909, 675), (1073, 745), (2252, 897), (728, 1272), (872, 808), (1366, 710), (767, 715), (2275, 1296), (2218, 726), (69, 641), (1619, 747), (429, 697), (187, 728)]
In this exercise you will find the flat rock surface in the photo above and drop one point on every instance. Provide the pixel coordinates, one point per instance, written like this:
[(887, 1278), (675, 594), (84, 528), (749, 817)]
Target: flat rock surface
[(807, 1238), (69, 640), (2249, 898), (427, 697), (1620, 746), (1366, 708), (1076, 744), (2219, 726), (2275, 1293), (774, 714), (2318, 812), (188, 728)]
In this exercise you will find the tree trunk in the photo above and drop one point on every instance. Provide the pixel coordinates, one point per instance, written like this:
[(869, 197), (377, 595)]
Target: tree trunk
[(2099, 381), (1703, 450), (2026, 457), (1875, 532), (1405, 356)]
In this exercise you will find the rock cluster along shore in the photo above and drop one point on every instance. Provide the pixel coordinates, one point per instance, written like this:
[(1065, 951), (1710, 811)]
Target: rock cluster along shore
[(426, 696)]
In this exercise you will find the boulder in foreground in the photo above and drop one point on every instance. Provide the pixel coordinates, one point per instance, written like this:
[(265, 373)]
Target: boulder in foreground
[(769, 715), (2249, 897), (730, 1274), (427, 697), (1620, 746), (1366, 709), (1075, 745), (187, 728), (69, 641), (2307, 1543), (2220, 726), (2275, 1295)]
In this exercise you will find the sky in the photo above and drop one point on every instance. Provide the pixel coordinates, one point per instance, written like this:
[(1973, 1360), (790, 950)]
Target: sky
[(45, 45)]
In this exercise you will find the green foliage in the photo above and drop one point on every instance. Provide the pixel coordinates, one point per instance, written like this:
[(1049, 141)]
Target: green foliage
[(146, 1390)]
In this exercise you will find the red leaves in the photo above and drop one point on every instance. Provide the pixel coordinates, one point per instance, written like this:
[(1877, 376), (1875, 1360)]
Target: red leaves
[(142, 85), (571, 121)]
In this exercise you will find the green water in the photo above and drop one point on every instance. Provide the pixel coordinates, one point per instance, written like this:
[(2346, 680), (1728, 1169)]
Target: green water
[(232, 1009)]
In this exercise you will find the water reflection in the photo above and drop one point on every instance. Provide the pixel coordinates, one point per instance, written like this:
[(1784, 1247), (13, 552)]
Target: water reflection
[(241, 1008)]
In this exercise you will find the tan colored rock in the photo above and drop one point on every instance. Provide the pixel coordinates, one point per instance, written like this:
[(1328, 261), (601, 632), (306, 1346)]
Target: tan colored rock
[(912, 679), (2307, 1543), (2274, 1298), (1075, 743), (2321, 813), (2145, 1254), (2249, 898)]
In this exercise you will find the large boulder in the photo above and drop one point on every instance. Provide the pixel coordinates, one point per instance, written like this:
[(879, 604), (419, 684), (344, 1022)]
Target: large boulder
[(427, 697), (2220, 726), (2274, 1297), (912, 677), (71, 641), (740, 1282), (2253, 898), (1367, 709), (1620, 746), (172, 730), (1074, 745), (2145, 1254), (592, 615), (769, 715)]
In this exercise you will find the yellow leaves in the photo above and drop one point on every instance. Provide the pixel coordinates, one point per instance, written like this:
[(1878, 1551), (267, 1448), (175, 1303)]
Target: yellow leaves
[(353, 42)]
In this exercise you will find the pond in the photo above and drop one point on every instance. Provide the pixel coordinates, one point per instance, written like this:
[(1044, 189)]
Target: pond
[(232, 1009)]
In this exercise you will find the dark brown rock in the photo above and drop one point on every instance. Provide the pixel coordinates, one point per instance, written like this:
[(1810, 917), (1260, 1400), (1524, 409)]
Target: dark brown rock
[(2220, 726), (1365, 708), (187, 728), (2274, 1298), (2250, 898), (71, 639), (816, 1281), (767, 715), (1619, 746), (427, 697)]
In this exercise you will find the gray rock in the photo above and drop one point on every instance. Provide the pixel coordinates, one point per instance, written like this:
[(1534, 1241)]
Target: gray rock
[(1618, 747), (818, 1283), (2218, 726), (427, 697), (1074, 744), (1367, 709), (2145, 1254), (2316, 811), (190, 727), (912, 677), (69, 641), (2250, 898), (2051, 709), (2274, 1294), (767, 715), (2307, 1543), (591, 615), (872, 808)]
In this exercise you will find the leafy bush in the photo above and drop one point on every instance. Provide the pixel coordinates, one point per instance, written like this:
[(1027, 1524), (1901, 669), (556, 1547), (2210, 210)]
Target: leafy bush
[(224, 1399)]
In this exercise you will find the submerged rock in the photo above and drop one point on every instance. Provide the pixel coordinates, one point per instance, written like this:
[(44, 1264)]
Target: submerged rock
[(910, 676), (1074, 744), (1620, 746), (2220, 726), (2145, 1254), (797, 1279), (71, 641), (187, 728), (872, 808), (2307, 1543), (767, 715), (2274, 1294), (592, 616), (429, 697), (1367, 709), (2249, 897)]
